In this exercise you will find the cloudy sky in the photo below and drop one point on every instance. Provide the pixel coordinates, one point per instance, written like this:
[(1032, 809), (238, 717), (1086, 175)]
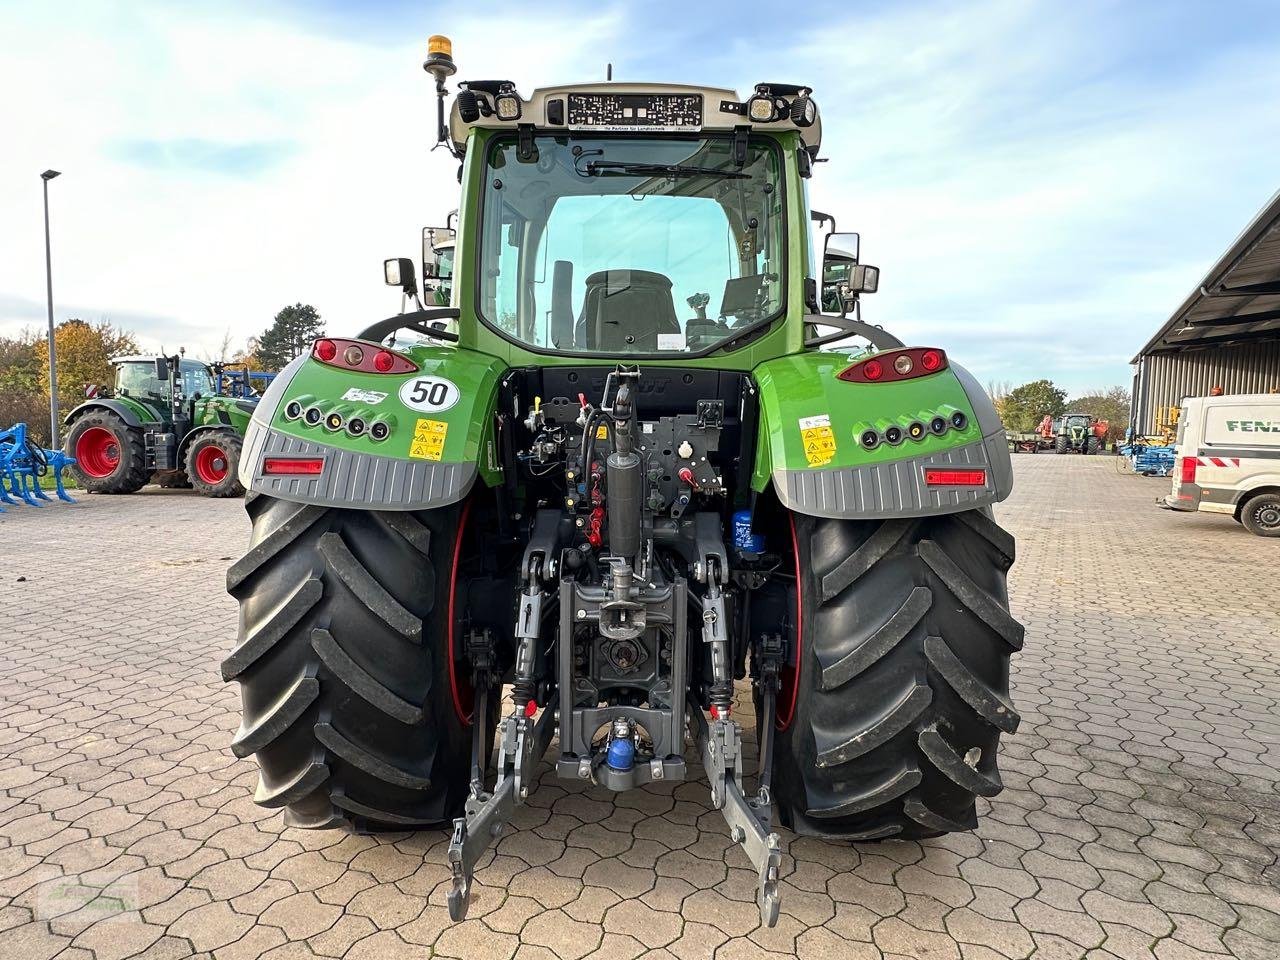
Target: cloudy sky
[(1041, 183)]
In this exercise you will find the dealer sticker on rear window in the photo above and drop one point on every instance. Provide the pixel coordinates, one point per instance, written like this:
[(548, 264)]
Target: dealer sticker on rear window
[(819, 442), (428, 439)]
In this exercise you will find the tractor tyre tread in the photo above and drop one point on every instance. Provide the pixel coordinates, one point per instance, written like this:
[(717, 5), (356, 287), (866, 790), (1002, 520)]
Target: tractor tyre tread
[(343, 666), (903, 685)]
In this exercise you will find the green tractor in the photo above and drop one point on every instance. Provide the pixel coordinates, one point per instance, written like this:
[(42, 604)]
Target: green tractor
[(163, 420), (1077, 433), (561, 485)]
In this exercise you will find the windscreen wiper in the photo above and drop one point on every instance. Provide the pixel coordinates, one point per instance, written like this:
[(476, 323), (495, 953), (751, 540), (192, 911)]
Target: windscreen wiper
[(618, 168)]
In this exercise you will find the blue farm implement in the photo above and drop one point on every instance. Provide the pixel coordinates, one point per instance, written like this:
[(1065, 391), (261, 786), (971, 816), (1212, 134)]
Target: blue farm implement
[(1148, 460), (22, 464)]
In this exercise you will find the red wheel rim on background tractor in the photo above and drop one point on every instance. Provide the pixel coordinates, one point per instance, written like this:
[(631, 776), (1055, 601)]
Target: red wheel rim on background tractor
[(211, 464), (98, 452)]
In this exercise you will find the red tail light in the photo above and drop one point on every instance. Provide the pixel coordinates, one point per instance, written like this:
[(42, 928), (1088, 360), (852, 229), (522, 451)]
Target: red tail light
[(293, 466), (891, 365), (1188, 469), (955, 478), (362, 356)]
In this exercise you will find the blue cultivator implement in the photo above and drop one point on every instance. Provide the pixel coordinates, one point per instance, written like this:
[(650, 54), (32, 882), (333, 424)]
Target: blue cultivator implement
[(1150, 461), (23, 462)]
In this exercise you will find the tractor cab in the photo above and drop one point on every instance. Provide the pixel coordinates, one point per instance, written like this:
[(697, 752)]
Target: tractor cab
[(150, 381)]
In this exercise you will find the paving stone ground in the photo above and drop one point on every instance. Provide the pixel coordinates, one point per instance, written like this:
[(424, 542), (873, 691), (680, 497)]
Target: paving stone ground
[(1141, 816)]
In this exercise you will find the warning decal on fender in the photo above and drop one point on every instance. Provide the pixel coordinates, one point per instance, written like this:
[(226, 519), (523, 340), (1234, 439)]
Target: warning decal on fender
[(428, 439), (819, 442)]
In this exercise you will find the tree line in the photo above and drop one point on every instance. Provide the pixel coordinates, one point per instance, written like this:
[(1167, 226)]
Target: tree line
[(1022, 408), (85, 349)]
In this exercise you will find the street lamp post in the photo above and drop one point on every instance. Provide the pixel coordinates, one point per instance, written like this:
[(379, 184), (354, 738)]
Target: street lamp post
[(48, 276)]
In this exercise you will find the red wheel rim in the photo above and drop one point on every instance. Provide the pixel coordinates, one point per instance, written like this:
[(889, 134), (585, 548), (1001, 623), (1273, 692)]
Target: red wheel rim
[(791, 672), (464, 695), (211, 464), (98, 452)]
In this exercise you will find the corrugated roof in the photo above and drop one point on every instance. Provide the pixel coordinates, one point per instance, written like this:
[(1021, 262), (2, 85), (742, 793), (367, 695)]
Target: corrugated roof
[(1239, 298)]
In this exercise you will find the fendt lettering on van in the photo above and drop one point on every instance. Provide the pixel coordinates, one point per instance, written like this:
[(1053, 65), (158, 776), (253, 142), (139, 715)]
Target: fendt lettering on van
[(1254, 426)]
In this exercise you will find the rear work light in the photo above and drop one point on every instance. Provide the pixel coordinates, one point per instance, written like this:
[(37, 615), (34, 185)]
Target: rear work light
[(955, 478), (362, 356), (891, 365), (293, 466)]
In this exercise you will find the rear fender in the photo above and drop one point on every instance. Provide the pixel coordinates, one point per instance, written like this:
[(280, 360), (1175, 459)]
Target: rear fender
[(134, 415), (810, 447), (442, 432)]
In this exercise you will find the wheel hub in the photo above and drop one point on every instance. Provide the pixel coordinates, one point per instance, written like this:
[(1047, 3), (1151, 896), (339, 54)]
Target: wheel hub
[(98, 452)]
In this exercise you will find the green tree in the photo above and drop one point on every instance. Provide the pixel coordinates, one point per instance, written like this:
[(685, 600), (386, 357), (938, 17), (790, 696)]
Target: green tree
[(288, 336), (1024, 407), (21, 398), (1111, 405), (84, 354)]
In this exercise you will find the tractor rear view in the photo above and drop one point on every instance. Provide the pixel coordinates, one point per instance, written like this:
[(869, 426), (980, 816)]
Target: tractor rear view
[(567, 485), (162, 420)]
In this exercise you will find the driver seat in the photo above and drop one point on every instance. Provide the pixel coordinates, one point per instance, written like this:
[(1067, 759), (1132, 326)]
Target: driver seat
[(626, 310)]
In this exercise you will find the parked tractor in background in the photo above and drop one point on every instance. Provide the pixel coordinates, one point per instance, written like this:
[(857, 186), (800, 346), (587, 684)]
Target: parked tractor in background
[(162, 420), (1074, 433), (564, 485)]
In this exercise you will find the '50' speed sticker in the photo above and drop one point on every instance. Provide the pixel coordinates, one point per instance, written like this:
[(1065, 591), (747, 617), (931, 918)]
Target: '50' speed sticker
[(429, 394)]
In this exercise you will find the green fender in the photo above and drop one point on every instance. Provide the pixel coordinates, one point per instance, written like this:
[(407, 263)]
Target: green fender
[(132, 412), (440, 432), (810, 448)]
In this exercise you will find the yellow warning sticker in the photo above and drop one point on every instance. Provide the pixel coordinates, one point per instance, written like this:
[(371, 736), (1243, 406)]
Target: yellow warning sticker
[(602, 432), (428, 439), (819, 442)]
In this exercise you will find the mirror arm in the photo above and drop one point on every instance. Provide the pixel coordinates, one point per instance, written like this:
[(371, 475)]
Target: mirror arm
[(418, 320), (876, 336)]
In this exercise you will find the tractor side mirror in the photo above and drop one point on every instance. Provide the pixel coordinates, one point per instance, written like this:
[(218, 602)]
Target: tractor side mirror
[(437, 248), (399, 273), (841, 247), (162, 368)]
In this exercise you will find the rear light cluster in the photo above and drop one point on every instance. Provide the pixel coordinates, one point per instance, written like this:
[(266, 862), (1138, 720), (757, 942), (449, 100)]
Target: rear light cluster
[(362, 356), (916, 430), (355, 422), (1187, 469), (893, 365)]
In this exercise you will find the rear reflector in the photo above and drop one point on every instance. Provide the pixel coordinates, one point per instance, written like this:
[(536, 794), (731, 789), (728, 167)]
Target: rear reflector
[(293, 466), (955, 478), (1188, 469)]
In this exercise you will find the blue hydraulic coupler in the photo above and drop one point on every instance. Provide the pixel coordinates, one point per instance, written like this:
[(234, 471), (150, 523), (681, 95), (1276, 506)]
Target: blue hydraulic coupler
[(621, 754)]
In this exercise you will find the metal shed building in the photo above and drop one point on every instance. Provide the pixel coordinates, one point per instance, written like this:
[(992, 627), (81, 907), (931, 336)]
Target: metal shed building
[(1226, 333)]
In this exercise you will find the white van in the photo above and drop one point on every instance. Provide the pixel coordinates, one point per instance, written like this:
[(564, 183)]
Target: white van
[(1228, 459)]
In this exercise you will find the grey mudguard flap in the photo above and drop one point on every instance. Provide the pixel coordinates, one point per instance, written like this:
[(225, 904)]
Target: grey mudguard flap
[(361, 481), (898, 488)]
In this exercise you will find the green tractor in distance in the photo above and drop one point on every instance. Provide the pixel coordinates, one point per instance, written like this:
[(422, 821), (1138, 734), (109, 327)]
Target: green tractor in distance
[(163, 420), (1075, 433), (565, 483)]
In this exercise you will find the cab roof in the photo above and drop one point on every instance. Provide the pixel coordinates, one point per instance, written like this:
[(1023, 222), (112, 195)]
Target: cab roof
[(568, 108)]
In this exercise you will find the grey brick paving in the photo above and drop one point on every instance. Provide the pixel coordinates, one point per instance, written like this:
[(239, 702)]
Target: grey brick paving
[(1141, 817)]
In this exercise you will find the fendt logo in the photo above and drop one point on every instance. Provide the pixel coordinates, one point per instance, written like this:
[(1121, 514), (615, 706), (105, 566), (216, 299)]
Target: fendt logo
[(1253, 426)]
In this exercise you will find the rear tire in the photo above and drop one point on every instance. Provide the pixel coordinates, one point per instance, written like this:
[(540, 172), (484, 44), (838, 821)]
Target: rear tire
[(1261, 515), (903, 683), (213, 460), (343, 665), (1090, 446), (110, 455)]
